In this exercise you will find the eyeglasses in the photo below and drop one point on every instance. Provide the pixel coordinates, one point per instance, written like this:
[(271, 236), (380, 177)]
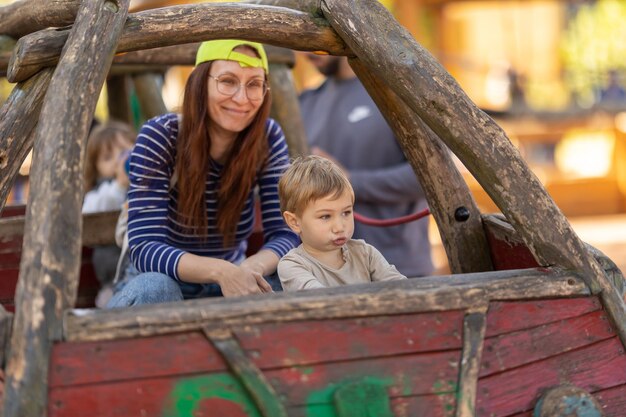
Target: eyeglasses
[(230, 85)]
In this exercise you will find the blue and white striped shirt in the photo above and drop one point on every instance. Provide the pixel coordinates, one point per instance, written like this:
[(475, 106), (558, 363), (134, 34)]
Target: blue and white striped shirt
[(155, 238)]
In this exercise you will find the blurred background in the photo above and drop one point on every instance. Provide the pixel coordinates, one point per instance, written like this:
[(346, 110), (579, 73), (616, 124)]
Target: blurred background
[(551, 73)]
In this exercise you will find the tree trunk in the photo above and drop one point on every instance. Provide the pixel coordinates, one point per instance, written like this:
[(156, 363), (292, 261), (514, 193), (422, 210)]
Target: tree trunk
[(449, 198), (190, 23), (51, 251), (18, 119)]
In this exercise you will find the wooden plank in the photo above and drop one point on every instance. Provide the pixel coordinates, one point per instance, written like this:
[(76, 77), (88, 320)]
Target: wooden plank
[(473, 335), (306, 342), (506, 317), (98, 228), (511, 350), (18, 119), (251, 377), (447, 193), (382, 44), (286, 109), (351, 301), (595, 367), (128, 359), (190, 23), (51, 255), (613, 401), (404, 375)]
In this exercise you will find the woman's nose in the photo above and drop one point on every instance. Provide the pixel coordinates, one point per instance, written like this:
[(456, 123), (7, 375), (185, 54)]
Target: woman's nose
[(240, 96)]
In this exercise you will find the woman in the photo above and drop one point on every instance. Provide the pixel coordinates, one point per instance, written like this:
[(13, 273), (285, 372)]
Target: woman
[(191, 198)]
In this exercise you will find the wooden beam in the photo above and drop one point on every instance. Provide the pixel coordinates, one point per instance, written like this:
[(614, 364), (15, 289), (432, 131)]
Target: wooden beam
[(148, 89), (50, 262), (449, 198), (439, 293), (474, 325), (382, 44), (98, 228), (26, 16), (190, 23), (18, 120), (286, 109)]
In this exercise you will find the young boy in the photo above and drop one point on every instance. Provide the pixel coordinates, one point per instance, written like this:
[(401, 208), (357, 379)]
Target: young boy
[(316, 200)]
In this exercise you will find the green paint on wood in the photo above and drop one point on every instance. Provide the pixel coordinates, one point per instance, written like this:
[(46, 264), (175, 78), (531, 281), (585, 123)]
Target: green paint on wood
[(189, 393), (363, 399), (321, 403)]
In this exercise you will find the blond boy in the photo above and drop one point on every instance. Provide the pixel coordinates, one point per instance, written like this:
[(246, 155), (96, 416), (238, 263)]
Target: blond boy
[(316, 200)]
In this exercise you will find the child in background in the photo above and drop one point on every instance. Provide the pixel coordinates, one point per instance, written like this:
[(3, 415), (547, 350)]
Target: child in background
[(106, 186), (316, 200)]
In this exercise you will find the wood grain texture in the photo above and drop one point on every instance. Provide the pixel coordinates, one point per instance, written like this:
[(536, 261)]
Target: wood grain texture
[(18, 119), (473, 336), (190, 23), (409, 296), (51, 254)]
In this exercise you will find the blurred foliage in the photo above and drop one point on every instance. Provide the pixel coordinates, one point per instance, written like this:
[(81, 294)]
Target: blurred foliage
[(594, 43)]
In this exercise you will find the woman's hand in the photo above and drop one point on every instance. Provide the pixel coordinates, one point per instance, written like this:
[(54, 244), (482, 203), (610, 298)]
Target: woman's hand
[(240, 280)]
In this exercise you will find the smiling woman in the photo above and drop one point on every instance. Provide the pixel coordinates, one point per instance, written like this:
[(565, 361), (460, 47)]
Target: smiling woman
[(191, 198)]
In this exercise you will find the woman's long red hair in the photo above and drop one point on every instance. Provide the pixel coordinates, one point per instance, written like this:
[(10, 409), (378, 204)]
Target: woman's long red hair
[(244, 161)]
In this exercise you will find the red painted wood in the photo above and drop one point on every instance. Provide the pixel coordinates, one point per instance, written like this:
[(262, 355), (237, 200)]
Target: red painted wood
[(613, 401), (124, 359), (595, 367), (508, 255), (12, 211), (419, 374), (277, 345), (515, 349), (505, 317)]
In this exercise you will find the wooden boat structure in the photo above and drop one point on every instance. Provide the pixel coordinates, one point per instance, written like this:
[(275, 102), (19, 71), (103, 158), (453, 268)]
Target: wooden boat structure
[(530, 322)]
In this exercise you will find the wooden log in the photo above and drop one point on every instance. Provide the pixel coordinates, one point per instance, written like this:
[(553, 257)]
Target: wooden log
[(98, 228), (251, 377), (148, 89), (473, 337), (449, 198), (118, 98), (26, 16), (18, 119), (286, 109), (190, 23), (382, 44), (50, 261), (118, 70), (410, 296)]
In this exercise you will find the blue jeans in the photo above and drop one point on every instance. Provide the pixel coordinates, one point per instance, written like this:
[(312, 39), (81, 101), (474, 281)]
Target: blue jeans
[(154, 287)]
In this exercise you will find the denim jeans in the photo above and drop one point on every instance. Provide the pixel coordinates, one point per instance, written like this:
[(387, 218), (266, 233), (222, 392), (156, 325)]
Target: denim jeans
[(154, 287)]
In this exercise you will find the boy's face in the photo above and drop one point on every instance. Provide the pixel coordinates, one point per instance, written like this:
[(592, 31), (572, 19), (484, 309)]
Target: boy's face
[(325, 224)]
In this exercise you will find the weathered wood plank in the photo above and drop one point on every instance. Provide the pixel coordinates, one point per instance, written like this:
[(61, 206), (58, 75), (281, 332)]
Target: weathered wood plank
[(51, 253), (447, 193), (371, 32), (306, 342), (98, 228), (508, 317), (511, 350), (596, 367), (26, 16), (148, 89), (129, 359), (251, 377), (18, 119), (286, 109), (351, 301), (613, 401), (190, 23), (473, 336)]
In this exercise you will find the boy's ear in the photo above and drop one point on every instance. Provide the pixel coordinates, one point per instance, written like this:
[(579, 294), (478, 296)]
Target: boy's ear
[(292, 221)]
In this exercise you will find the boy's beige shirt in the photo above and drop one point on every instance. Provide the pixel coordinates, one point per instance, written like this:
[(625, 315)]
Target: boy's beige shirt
[(300, 271)]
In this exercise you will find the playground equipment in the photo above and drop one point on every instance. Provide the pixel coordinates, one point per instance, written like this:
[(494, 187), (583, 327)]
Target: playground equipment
[(531, 319)]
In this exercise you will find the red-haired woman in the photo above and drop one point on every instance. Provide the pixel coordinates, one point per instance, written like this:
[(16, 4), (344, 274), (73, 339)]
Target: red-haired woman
[(192, 185)]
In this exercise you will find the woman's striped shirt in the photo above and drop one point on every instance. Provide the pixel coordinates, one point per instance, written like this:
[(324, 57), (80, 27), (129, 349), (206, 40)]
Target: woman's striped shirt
[(155, 237)]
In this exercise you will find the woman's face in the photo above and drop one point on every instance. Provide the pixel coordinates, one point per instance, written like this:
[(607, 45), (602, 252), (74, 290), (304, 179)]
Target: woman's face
[(231, 114)]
